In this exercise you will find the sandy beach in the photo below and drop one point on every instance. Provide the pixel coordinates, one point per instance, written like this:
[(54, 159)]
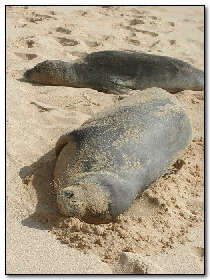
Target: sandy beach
[(163, 230)]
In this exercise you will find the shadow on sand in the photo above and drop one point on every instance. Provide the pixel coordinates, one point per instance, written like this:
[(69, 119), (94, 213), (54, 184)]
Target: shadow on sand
[(40, 176)]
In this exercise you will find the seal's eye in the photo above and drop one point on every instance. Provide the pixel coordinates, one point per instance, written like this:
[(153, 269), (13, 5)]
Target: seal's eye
[(68, 194)]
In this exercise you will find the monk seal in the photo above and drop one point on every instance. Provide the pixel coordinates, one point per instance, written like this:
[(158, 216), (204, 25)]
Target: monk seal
[(104, 164), (118, 71)]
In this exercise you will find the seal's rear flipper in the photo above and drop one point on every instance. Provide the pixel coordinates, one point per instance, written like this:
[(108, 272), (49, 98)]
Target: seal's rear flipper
[(118, 89), (62, 141)]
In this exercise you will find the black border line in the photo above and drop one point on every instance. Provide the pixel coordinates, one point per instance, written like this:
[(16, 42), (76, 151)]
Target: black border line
[(205, 149), (205, 133)]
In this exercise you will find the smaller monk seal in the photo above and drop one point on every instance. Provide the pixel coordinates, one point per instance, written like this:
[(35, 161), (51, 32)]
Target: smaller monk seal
[(118, 71), (104, 164)]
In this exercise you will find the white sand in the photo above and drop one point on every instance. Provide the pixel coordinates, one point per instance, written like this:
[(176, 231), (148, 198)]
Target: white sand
[(38, 115)]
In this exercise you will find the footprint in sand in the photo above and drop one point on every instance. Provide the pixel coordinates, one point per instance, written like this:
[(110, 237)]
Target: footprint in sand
[(130, 28), (153, 34), (155, 18), (26, 42), (172, 42), (67, 42), (30, 43), (108, 10), (171, 23), (63, 30), (133, 42), (113, 8), (154, 44), (133, 29), (26, 56), (82, 13), (107, 38), (136, 21), (133, 34), (92, 44), (37, 17)]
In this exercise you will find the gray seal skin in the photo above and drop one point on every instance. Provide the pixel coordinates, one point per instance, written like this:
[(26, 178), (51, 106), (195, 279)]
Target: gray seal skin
[(103, 165), (118, 71)]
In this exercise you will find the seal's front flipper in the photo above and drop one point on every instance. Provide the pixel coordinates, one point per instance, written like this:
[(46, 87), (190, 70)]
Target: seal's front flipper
[(108, 87), (116, 89)]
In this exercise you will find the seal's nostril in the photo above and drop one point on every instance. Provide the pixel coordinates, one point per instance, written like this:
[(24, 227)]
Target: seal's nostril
[(68, 194)]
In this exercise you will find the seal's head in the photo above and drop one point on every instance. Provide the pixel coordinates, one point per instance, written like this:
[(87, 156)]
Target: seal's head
[(87, 202), (50, 72)]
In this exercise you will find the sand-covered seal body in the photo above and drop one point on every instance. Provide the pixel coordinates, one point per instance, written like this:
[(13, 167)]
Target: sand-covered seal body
[(119, 71), (102, 166)]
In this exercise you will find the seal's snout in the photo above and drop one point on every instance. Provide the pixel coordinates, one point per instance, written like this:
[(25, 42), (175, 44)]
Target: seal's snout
[(48, 72), (67, 202), (85, 201)]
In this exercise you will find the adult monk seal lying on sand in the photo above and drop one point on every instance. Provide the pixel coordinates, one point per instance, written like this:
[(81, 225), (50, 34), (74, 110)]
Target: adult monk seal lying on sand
[(118, 71), (104, 164)]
